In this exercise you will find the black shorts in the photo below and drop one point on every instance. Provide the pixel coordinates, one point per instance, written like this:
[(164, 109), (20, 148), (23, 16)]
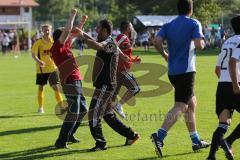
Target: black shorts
[(183, 85), (226, 99), (145, 43), (43, 78)]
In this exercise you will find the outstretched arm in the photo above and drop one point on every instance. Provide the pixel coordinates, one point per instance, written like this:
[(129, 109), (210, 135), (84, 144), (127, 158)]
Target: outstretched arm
[(90, 41), (93, 44), (68, 27)]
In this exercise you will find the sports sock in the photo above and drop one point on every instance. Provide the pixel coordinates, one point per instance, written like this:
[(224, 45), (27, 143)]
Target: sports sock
[(195, 137), (234, 135), (40, 98), (217, 137), (162, 133), (59, 98)]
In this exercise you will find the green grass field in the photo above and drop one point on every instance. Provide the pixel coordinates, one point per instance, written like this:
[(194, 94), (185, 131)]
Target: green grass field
[(25, 134)]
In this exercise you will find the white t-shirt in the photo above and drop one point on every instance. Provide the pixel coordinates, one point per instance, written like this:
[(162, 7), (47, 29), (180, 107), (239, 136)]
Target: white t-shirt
[(230, 48), (11, 36), (145, 37), (5, 41)]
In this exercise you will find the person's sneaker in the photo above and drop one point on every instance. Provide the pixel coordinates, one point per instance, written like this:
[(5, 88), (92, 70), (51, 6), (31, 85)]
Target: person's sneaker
[(58, 144), (157, 143), (119, 110), (98, 148), (227, 149), (131, 141), (73, 139), (40, 110), (201, 145)]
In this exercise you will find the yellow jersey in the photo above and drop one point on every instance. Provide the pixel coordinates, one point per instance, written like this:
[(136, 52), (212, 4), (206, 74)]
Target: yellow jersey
[(41, 49)]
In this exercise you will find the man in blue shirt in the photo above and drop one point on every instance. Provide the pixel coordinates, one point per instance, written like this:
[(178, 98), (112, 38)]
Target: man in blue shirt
[(183, 35)]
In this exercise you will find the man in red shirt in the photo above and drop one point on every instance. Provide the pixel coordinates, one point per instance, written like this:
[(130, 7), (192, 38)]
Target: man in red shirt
[(124, 76), (70, 77)]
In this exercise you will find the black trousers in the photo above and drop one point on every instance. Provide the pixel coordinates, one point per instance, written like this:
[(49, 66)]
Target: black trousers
[(100, 107), (76, 112), (4, 49)]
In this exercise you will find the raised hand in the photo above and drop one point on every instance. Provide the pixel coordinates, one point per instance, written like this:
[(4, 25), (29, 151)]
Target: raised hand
[(83, 21)]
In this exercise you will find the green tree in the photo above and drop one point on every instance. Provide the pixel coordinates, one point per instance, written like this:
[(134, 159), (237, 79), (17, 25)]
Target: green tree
[(57, 8), (229, 7), (165, 7), (206, 11)]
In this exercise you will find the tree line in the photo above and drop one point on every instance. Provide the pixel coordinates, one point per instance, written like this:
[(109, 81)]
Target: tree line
[(207, 11)]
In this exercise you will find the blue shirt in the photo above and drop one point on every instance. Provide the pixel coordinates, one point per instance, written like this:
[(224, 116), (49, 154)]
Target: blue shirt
[(179, 34)]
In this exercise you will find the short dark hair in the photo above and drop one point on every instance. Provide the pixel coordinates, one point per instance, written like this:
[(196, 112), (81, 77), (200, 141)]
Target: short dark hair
[(235, 22), (56, 34), (107, 25), (124, 25), (184, 6)]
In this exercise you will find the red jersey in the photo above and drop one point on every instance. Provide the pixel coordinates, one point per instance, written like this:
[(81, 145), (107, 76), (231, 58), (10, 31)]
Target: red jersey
[(66, 63), (125, 46)]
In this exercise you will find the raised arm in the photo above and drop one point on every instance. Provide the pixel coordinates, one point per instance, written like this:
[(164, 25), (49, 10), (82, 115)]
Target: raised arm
[(68, 27), (83, 21), (76, 30)]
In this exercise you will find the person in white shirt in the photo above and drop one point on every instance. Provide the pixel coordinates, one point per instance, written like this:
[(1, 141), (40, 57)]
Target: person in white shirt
[(5, 43), (145, 40), (1, 38), (228, 91), (10, 36)]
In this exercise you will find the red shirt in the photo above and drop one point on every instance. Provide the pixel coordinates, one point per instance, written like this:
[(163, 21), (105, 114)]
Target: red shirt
[(125, 46), (66, 63)]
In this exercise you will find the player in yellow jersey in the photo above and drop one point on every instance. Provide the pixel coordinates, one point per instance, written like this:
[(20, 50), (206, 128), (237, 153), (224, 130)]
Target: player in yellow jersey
[(46, 69)]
